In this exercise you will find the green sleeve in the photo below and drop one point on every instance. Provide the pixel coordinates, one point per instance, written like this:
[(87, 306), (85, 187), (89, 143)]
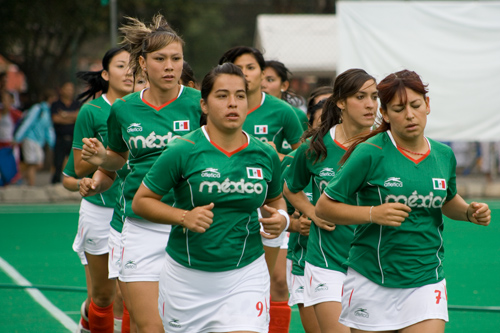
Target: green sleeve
[(115, 139), (299, 176), (84, 127), (452, 183), (166, 172), (291, 126), (275, 186), (69, 169), (302, 118), (351, 176)]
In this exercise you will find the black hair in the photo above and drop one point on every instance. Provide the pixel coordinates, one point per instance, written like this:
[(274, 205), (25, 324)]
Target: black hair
[(283, 73), (232, 54), (209, 80), (94, 79), (187, 74)]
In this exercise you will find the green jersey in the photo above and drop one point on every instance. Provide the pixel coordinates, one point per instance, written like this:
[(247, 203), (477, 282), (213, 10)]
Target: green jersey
[(325, 249), (297, 243), (286, 148), (91, 123), (273, 120), (69, 169), (411, 255), (237, 183), (118, 217), (144, 130)]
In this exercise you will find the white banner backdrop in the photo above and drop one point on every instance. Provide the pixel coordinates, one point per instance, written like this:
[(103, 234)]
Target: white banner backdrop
[(453, 46)]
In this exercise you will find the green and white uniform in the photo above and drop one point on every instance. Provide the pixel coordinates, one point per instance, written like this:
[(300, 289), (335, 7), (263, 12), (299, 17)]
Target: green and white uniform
[(95, 211), (144, 130), (326, 249), (224, 267), (274, 120), (410, 255)]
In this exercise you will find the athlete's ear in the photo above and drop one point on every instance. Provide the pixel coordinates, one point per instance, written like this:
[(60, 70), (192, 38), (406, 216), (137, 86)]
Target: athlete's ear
[(427, 105), (284, 86), (341, 104), (142, 62), (203, 105), (384, 115), (105, 75)]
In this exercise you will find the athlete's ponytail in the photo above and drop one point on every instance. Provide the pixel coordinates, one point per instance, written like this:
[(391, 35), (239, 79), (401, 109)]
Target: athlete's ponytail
[(141, 39), (96, 84)]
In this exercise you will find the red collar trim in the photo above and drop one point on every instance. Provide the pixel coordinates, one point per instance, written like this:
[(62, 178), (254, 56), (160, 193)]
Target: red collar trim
[(416, 161), (227, 153), (258, 106), (340, 145), (158, 108)]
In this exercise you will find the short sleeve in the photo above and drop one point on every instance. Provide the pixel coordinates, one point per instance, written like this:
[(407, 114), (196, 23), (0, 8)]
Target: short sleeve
[(298, 176), (291, 126), (351, 177), (275, 186), (84, 127), (115, 138), (452, 182), (166, 172)]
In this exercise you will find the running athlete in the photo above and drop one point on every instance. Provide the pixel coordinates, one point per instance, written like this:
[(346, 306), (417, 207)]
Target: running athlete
[(139, 127), (404, 183), (114, 81), (297, 242), (214, 277), (270, 120), (276, 83), (349, 112)]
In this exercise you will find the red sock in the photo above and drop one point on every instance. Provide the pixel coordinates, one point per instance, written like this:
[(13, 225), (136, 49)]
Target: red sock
[(101, 320), (281, 314), (85, 323), (125, 320)]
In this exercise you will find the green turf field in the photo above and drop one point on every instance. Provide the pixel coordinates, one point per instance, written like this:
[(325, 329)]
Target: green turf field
[(36, 244)]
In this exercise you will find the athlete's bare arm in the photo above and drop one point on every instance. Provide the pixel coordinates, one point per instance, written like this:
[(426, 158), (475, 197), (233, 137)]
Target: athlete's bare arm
[(475, 212)]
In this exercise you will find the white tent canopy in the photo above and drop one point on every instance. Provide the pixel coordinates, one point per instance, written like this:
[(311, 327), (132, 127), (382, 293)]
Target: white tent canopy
[(306, 44), (453, 45)]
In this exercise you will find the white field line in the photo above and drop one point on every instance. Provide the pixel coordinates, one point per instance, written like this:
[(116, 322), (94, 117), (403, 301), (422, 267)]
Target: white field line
[(38, 296)]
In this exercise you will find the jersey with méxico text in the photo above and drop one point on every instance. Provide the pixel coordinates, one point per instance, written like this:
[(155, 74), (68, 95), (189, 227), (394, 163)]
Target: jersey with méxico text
[(91, 123), (273, 120), (144, 130), (237, 183), (325, 249), (411, 255), (286, 148), (297, 243)]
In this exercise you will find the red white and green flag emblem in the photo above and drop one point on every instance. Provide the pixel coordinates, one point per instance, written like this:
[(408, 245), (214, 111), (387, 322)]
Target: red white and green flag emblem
[(254, 173), (181, 125), (439, 184), (261, 129)]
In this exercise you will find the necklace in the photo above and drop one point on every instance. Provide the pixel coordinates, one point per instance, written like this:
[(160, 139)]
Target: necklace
[(345, 136), (409, 151)]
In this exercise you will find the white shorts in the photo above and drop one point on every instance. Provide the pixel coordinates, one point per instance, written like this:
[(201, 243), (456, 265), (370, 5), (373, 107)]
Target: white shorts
[(115, 253), (284, 245), (276, 242), (32, 152), (143, 250), (83, 258), (295, 285), (322, 285), (197, 301), (93, 229), (372, 307)]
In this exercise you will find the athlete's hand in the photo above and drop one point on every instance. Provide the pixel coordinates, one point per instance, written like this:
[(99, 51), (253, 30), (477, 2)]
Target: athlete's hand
[(199, 219), (272, 144), (479, 213), (89, 187), (93, 151), (323, 224), (390, 214), (305, 225), (274, 224)]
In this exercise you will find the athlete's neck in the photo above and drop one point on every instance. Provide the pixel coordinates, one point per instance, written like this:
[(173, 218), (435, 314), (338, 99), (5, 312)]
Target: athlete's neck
[(112, 95), (254, 98), (229, 141), (158, 97), (346, 132), (416, 145)]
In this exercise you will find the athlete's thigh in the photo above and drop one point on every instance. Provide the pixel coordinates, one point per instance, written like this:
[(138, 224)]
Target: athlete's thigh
[(427, 326), (143, 298), (308, 319), (328, 314)]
